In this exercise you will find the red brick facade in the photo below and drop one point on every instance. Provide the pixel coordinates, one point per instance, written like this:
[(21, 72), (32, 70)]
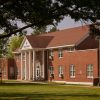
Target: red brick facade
[(80, 59), (38, 58), (8, 68)]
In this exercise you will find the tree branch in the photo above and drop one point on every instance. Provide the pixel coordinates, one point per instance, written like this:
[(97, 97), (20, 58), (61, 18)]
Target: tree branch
[(14, 32)]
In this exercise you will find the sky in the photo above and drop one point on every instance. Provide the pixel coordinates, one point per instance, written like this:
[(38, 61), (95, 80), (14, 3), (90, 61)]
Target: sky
[(69, 23), (64, 24)]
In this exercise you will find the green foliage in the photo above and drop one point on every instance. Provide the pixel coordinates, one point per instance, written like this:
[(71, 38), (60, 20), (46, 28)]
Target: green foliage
[(39, 30), (14, 43), (3, 46), (38, 13)]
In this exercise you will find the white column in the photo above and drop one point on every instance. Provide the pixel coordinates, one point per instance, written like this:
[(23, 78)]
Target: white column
[(21, 67), (29, 65), (33, 64), (43, 65), (25, 66)]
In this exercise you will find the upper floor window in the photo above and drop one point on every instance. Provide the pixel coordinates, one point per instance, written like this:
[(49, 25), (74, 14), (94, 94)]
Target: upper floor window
[(89, 71), (72, 71), (51, 54), (70, 48), (60, 71), (60, 53)]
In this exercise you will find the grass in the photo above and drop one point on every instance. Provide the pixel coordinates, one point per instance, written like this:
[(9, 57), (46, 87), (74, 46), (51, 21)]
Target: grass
[(33, 91)]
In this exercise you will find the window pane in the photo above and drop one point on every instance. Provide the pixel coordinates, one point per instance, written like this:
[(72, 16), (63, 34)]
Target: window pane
[(90, 70), (72, 71)]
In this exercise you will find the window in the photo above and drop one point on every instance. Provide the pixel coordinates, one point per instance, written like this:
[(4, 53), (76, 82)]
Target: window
[(60, 53), (90, 71), (70, 48), (72, 71), (51, 54), (18, 72), (51, 71), (60, 71), (4, 71)]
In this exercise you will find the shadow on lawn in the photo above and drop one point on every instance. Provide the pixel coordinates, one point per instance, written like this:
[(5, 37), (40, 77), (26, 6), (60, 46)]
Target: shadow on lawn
[(23, 96), (39, 95)]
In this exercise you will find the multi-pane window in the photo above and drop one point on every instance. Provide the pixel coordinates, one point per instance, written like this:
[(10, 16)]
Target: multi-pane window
[(90, 71), (51, 71), (51, 54), (70, 48), (4, 71), (72, 71), (60, 71), (60, 53)]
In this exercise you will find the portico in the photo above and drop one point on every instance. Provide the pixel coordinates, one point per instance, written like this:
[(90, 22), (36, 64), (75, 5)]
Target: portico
[(32, 62)]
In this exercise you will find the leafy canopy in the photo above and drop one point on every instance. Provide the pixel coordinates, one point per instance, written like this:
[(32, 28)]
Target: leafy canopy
[(37, 13)]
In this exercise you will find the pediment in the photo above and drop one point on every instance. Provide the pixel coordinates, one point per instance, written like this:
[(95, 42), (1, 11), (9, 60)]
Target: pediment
[(26, 45)]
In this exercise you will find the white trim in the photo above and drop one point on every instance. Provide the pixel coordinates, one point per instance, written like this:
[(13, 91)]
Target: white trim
[(84, 50), (60, 46), (43, 72), (82, 39), (29, 65), (22, 43), (84, 83), (59, 81), (81, 83), (25, 65), (21, 67), (33, 63)]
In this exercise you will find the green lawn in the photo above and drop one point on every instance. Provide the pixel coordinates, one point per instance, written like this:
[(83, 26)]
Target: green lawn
[(25, 91)]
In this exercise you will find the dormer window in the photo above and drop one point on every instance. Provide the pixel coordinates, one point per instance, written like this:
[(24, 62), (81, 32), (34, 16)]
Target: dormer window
[(60, 53)]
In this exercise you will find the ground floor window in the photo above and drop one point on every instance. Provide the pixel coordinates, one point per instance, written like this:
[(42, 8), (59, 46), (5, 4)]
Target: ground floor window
[(60, 71), (89, 71), (51, 71), (72, 71), (4, 71)]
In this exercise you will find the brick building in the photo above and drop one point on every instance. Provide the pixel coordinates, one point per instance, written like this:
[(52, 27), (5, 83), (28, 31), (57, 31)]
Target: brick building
[(69, 56)]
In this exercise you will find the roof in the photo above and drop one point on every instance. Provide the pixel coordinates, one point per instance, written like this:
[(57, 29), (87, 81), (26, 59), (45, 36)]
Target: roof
[(59, 38)]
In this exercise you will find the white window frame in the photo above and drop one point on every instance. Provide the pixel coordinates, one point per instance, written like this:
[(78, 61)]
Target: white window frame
[(89, 71), (51, 71), (60, 53), (60, 71), (72, 71), (4, 71), (51, 54), (70, 49)]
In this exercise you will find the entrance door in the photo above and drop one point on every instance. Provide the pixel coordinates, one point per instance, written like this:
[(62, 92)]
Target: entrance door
[(37, 72)]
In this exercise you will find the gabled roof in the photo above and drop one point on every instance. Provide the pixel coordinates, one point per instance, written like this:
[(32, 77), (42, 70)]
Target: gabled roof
[(59, 38)]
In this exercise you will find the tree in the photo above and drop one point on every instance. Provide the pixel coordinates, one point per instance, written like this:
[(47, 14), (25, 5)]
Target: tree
[(39, 30), (3, 46), (37, 13), (13, 44)]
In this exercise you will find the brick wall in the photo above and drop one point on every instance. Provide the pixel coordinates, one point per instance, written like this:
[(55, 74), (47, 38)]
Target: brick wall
[(7, 66), (80, 59)]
